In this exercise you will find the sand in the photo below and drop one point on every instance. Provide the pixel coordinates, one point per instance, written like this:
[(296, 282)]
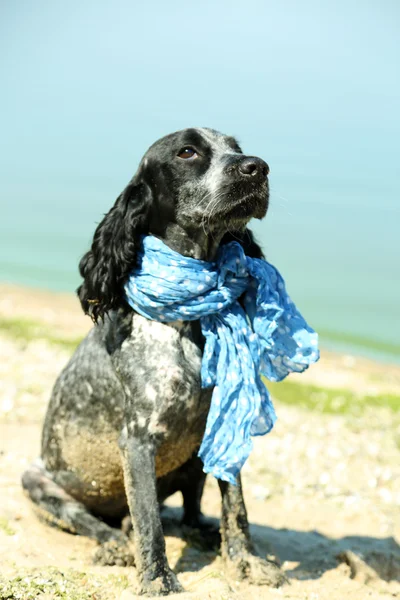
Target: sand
[(322, 491)]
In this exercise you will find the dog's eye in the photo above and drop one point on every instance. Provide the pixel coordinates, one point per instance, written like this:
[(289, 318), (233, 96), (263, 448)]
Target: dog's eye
[(187, 153)]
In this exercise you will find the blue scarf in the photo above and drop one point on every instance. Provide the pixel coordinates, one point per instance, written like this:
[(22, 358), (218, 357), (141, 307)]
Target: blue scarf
[(268, 336)]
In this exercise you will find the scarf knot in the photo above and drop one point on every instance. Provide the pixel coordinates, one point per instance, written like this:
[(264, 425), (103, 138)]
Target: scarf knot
[(262, 334)]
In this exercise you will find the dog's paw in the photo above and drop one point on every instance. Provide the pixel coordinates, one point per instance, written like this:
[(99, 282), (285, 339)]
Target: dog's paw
[(256, 570), (202, 533), (164, 584), (114, 552)]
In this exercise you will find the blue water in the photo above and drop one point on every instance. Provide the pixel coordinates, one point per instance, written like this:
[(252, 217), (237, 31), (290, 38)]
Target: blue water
[(339, 254), (315, 91)]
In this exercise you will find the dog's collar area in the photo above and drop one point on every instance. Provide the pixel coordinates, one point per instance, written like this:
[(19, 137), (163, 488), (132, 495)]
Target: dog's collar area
[(267, 336)]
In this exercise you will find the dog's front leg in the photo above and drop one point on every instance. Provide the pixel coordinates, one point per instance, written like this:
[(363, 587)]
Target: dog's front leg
[(236, 545), (138, 456)]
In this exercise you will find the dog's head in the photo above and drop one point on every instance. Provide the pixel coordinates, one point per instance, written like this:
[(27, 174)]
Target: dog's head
[(191, 189)]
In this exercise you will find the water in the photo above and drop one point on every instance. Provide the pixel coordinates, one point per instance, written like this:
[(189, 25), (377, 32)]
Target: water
[(314, 91), (339, 252), (337, 249)]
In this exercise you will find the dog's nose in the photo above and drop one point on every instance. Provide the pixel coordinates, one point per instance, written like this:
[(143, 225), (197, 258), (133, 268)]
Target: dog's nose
[(253, 166)]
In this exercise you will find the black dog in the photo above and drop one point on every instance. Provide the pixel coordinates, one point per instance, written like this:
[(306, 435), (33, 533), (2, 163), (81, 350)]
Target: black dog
[(127, 414)]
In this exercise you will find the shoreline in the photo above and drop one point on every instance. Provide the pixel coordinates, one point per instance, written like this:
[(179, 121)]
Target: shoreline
[(56, 317), (47, 301)]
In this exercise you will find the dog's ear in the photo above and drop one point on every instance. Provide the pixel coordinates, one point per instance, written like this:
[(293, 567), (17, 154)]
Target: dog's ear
[(113, 253), (247, 240)]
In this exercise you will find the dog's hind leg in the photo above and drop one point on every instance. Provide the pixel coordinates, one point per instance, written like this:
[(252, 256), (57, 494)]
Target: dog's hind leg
[(60, 509)]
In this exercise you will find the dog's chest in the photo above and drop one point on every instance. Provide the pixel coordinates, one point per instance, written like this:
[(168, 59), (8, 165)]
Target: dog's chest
[(164, 365)]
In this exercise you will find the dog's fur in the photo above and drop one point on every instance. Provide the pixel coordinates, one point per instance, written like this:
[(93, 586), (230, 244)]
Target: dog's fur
[(127, 414)]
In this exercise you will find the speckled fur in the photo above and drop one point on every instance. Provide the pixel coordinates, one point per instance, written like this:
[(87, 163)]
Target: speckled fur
[(127, 414)]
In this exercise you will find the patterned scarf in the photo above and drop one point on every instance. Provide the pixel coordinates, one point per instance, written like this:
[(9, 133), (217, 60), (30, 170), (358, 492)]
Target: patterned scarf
[(263, 334)]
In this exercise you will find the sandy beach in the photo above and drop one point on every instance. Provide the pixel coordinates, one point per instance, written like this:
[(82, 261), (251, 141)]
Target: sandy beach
[(322, 490)]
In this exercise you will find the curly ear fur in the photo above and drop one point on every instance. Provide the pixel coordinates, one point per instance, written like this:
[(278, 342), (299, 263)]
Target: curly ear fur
[(113, 253)]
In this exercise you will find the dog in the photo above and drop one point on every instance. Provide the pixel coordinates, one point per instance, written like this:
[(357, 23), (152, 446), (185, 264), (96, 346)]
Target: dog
[(127, 414)]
